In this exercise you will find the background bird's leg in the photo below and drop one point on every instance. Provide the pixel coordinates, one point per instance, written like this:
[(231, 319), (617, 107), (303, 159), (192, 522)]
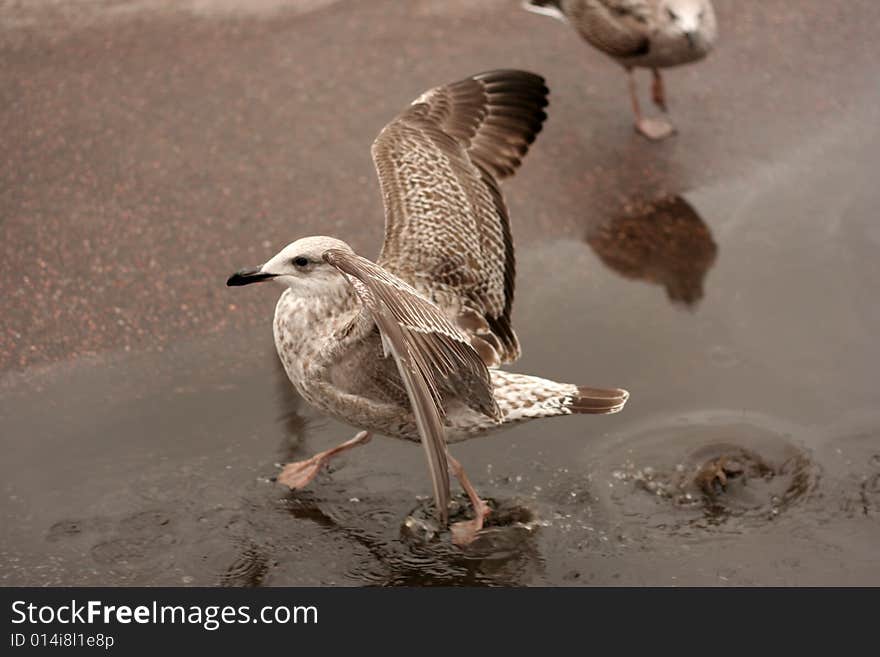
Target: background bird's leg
[(634, 95), (652, 128), (299, 474), (466, 531), (658, 90)]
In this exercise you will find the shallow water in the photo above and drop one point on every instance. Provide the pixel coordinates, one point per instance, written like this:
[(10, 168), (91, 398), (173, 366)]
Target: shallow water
[(739, 307), (156, 468)]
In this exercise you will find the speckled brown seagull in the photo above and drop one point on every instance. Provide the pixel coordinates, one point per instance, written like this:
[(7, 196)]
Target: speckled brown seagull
[(651, 34), (409, 347)]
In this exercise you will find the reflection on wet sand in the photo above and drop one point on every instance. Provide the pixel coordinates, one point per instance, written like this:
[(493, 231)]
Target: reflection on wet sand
[(663, 241)]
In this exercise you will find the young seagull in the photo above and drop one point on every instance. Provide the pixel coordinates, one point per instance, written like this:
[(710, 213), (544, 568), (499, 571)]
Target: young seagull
[(651, 34), (409, 346)]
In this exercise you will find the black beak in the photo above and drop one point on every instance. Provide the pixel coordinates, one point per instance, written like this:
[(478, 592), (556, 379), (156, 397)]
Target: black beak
[(248, 276), (692, 39)]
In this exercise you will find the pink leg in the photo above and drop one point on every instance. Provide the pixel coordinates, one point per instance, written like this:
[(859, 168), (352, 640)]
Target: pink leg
[(652, 128), (466, 531), (634, 95), (658, 90), (298, 475)]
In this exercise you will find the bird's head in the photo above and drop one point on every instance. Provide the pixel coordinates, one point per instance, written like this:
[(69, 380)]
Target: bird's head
[(693, 19), (300, 266)]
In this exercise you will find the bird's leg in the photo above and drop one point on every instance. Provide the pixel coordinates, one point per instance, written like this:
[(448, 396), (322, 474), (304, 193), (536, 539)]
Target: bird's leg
[(298, 475), (658, 91), (465, 532), (651, 128), (634, 95)]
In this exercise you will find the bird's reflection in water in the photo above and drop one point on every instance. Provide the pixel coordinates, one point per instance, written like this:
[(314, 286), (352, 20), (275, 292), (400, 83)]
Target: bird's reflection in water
[(662, 241), (504, 554), (295, 424)]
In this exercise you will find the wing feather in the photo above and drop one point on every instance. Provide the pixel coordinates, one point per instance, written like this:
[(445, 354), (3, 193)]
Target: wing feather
[(619, 28), (447, 230), (432, 355)]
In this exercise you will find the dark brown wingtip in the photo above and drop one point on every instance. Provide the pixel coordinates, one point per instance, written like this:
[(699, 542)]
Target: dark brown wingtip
[(514, 115), (599, 400)]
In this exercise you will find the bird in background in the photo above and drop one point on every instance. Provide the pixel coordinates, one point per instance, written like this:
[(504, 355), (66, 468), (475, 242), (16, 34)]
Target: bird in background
[(653, 34), (409, 346)]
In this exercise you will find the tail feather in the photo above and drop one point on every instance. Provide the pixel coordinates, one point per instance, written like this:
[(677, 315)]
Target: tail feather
[(522, 397), (599, 400)]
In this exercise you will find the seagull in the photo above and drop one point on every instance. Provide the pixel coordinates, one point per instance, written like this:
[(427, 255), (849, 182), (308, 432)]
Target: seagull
[(409, 345), (651, 34)]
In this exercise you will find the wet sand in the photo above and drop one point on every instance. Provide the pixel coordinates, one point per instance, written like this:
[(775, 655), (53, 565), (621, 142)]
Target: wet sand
[(727, 278)]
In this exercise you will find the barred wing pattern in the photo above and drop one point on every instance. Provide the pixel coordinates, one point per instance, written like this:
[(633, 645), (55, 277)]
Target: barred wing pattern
[(431, 354), (447, 231), (617, 27)]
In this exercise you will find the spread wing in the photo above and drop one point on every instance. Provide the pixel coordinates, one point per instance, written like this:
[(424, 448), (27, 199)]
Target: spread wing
[(431, 354), (620, 28), (447, 231)]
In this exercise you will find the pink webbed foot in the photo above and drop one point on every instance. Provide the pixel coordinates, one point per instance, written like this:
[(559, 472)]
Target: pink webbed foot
[(300, 474), (464, 532), (655, 129)]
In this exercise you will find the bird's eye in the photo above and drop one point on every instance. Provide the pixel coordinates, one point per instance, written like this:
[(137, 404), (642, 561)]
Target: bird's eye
[(672, 14), (300, 261)]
